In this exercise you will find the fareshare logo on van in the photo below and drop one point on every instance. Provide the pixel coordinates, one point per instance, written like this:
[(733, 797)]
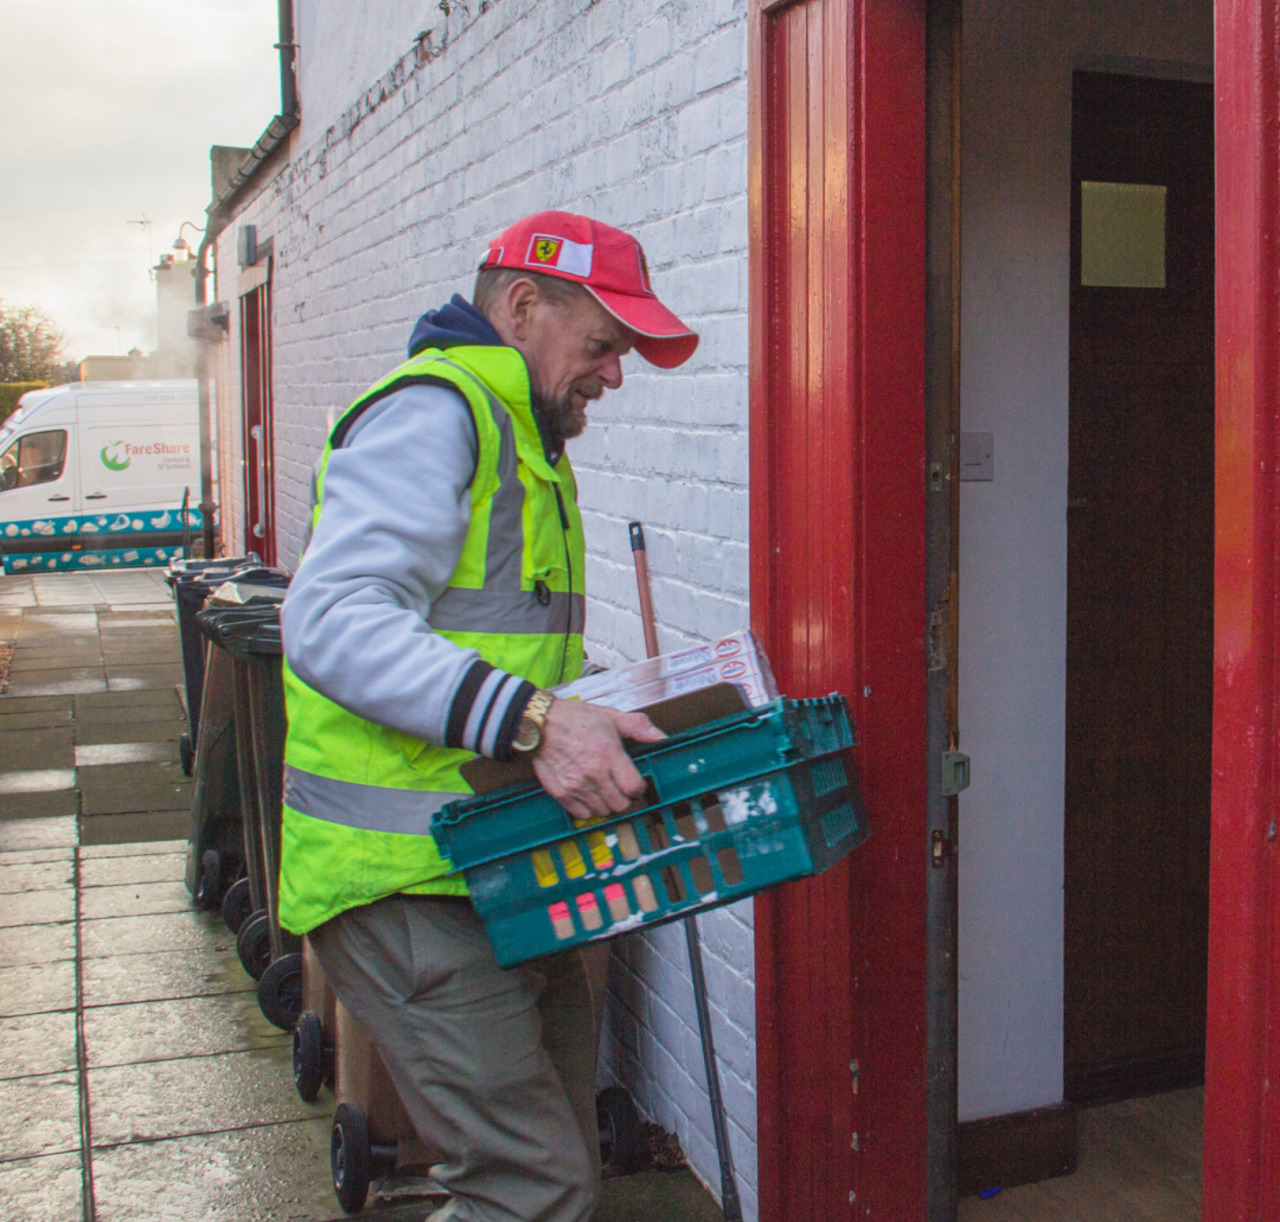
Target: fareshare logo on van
[(115, 457)]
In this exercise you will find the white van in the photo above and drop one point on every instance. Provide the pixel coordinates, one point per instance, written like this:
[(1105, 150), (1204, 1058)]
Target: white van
[(99, 474)]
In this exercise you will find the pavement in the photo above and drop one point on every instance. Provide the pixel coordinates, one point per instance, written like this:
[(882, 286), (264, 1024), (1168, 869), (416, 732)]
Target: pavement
[(138, 1079)]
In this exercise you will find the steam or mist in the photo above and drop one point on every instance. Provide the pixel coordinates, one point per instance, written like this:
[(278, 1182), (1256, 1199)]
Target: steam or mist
[(112, 109)]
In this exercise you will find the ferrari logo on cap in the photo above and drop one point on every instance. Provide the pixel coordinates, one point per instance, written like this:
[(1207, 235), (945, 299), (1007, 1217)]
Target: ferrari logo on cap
[(573, 258), (545, 250)]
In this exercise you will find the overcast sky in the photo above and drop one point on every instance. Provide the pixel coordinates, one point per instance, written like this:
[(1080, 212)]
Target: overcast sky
[(109, 108)]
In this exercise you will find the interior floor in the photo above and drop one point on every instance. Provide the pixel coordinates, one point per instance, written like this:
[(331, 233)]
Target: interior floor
[(1139, 1160)]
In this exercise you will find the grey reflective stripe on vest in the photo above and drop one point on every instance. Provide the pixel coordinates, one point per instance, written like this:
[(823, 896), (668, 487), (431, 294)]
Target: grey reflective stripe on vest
[(512, 612), (504, 554), (373, 808)]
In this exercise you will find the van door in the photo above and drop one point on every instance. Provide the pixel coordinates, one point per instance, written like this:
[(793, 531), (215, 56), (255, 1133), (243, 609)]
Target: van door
[(38, 498), (137, 462)]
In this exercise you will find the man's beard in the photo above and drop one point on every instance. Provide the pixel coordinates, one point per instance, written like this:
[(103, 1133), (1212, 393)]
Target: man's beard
[(563, 417)]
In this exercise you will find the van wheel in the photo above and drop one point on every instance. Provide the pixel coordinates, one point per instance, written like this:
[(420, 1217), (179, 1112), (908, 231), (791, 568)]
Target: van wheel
[(619, 1125)]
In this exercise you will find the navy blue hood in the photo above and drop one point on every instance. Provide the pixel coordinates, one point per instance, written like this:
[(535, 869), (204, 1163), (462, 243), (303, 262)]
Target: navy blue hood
[(454, 325)]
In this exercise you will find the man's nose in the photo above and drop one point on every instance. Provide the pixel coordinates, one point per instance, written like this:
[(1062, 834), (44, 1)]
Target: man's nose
[(611, 371)]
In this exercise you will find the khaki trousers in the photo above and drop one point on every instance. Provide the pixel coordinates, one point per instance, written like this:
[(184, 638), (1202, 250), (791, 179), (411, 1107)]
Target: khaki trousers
[(495, 1066)]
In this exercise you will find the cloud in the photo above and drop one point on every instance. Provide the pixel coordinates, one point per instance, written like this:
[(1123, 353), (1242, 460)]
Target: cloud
[(119, 104)]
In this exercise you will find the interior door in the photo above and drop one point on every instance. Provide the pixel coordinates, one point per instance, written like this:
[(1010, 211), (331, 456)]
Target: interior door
[(1140, 551), (255, 373)]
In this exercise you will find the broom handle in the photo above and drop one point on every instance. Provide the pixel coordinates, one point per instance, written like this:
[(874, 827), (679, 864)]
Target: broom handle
[(641, 557)]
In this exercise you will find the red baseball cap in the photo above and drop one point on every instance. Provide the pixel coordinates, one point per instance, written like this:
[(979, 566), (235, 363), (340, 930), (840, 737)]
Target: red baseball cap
[(609, 264)]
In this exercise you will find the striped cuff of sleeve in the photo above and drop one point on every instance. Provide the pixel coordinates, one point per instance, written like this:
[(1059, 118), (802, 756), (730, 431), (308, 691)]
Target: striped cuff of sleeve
[(486, 709)]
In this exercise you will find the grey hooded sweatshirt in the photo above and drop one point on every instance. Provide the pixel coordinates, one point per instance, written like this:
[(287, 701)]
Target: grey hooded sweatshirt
[(396, 511)]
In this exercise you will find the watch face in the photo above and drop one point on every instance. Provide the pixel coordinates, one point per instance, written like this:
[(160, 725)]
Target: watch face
[(528, 734)]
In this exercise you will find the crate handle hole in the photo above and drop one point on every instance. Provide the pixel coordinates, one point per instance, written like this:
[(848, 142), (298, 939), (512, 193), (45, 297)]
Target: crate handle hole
[(730, 866), (589, 911), (645, 897), (686, 827), (571, 855), (713, 815), (616, 898), (628, 845), (544, 868), (700, 869), (656, 829), (561, 921)]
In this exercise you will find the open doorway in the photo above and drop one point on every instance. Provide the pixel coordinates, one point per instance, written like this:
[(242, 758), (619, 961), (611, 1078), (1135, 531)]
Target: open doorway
[(1139, 685)]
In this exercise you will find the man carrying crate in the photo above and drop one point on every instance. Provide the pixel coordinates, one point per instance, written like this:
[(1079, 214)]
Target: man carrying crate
[(440, 593)]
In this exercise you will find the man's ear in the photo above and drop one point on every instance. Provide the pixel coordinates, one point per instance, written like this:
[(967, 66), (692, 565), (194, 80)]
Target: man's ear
[(522, 297)]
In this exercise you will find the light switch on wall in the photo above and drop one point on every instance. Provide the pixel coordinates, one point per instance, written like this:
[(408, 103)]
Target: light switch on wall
[(977, 456)]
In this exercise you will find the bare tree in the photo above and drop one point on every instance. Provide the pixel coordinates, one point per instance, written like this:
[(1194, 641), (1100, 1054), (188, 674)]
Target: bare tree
[(30, 345)]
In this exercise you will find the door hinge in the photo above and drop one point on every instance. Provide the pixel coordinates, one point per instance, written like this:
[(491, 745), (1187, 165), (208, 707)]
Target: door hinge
[(955, 773), (943, 849)]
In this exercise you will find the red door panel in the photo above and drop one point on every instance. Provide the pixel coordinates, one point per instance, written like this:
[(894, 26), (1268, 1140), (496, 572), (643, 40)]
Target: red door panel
[(837, 546), (1242, 1113)]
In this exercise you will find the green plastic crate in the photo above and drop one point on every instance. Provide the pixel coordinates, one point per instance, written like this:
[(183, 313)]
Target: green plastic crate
[(733, 808)]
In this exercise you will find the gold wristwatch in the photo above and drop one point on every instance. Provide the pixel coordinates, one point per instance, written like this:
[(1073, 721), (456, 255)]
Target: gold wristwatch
[(533, 722)]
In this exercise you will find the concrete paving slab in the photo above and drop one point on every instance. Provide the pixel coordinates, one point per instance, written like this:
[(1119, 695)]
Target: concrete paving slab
[(37, 780), (36, 944), (269, 1174), (36, 704), (195, 1095), (57, 803), (170, 847), (162, 729), (28, 658), (654, 1195), (131, 899), (120, 871), (46, 620), (38, 908), (70, 687), (100, 830), (35, 988), (50, 747), (39, 1115), (92, 755), (18, 878), (10, 722), (118, 704), (37, 833), (114, 789), (49, 1189), (38, 1044), (178, 1028), (137, 681), (18, 856), (163, 975), (144, 934)]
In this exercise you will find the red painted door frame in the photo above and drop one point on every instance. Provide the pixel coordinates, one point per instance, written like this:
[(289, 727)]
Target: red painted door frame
[(837, 234), (1242, 1112)]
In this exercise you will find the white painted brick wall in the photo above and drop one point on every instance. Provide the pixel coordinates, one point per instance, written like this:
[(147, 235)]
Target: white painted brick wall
[(633, 111)]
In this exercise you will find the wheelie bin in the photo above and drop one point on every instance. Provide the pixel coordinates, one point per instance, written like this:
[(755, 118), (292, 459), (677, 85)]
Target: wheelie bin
[(191, 582), (216, 858), (250, 635)]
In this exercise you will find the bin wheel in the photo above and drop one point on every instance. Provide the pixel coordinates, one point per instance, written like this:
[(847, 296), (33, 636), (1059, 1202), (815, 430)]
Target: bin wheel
[(619, 1125), (349, 1157), (209, 884), (280, 991), (308, 1055), (253, 944), (237, 905), (186, 754)]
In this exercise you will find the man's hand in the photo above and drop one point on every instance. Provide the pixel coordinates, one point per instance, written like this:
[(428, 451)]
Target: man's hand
[(581, 762)]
